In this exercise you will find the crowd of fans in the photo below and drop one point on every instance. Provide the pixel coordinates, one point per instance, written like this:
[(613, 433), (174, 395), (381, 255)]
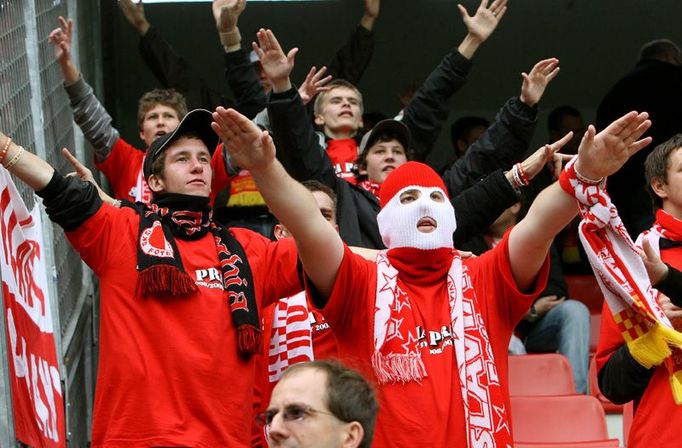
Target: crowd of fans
[(258, 236)]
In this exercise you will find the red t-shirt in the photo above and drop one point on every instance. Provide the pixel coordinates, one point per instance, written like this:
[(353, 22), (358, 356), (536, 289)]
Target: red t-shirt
[(169, 373), (123, 168), (343, 153), (655, 413), (431, 413)]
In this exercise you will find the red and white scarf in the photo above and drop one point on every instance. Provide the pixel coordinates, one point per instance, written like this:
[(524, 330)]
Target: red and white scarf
[(394, 362), (291, 340), (621, 274)]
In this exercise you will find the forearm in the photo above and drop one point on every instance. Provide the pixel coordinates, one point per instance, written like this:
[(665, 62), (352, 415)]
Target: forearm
[(428, 109), (623, 379), (92, 118), (70, 72), (28, 167), (469, 46), (352, 59), (319, 245), (243, 81), (531, 238)]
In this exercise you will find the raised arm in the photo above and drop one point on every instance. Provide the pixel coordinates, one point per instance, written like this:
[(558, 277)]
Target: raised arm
[(599, 155), (88, 112), (508, 138), (319, 245), (429, 108)]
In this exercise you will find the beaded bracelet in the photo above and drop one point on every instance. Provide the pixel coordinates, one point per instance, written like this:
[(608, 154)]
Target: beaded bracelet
[(522, 174), (5, 148), (16, 158)]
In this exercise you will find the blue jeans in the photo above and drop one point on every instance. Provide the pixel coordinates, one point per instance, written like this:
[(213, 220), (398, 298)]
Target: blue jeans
[(566, 329)]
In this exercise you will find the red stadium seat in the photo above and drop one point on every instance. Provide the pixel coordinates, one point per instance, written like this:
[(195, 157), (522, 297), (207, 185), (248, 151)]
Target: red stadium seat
[(540, 374), (595, 328), (628, 414), (585, 289), (608, 443), (568, 420)]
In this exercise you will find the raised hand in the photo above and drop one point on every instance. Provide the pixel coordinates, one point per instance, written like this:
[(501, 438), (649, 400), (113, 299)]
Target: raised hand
[(313, 84), (134, 14), (250, 147), (61, 39), (371, 13), (226, 13), (535, 82), (276, 65), (655, 268), (541, 157), (482, 24), (602, 154), (84, 173)]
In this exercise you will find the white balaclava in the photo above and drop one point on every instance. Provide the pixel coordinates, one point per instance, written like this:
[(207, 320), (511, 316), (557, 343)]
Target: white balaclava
[(398, 222)]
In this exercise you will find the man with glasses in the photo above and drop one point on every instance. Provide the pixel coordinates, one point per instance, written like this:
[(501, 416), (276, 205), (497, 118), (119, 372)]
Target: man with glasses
[(321, 404)]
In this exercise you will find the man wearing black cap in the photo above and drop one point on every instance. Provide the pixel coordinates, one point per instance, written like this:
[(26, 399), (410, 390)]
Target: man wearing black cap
[(179, 295)]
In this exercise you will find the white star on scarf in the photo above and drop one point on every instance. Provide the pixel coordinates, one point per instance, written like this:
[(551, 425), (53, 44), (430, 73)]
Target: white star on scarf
[(393, 329), (399, 304), (410, 344), (503, 423)]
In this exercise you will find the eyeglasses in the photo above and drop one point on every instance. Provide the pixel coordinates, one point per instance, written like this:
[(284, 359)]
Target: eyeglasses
[(290, 413)]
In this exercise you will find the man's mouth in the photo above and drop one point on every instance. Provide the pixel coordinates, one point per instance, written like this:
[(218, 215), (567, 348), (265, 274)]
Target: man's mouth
[(160, 133), (427, 224), (197, 181), (346, 114), (388, 168)]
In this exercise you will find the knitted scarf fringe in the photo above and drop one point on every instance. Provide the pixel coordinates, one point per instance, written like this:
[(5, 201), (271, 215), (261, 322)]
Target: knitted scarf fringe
[(248, 340), (164, 279), (398, 367)]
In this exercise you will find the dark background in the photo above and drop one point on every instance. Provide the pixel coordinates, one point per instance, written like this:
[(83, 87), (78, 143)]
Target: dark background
[(597, 41)]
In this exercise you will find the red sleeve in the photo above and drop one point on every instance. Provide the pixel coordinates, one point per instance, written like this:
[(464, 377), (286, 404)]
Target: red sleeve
[(273, 265), (355, 284), (610, 338), (122, 168), (497, 288), (220, 178), (105, 236)]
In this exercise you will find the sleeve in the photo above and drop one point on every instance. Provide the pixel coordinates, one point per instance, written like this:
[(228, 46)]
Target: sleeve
[(92, 118), (495, 192), (122, 167), (347, 304), (298, 145), (69, 201), (173, 71), (505, 142), (499, 291), (620, 377), (428, 110), (274, 265), (671, 286), (352, 59), (243, 80)]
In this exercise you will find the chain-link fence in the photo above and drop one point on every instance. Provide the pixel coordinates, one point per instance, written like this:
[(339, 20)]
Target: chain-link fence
[(34, 110)]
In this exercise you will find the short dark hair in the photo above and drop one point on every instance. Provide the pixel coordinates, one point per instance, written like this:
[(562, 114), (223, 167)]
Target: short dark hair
[(350, 397), (317, 107), (662, 50), (460, 128), (361, 161), (559, 112), (657, 163), (166, 97), (314, 185)]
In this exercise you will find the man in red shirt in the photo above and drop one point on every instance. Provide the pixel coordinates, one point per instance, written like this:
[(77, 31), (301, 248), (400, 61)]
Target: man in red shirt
[(180, 295), (432, 328)]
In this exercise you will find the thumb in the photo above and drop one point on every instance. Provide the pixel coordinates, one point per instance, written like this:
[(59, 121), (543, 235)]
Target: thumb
[(463, 11), (291, 55), (650, 254)]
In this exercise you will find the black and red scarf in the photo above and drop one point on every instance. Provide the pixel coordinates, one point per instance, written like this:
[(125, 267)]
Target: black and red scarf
[(162, 273)]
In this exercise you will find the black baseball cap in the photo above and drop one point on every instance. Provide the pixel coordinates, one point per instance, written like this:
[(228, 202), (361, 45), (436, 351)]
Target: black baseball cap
[(389, 126), (197, 122)]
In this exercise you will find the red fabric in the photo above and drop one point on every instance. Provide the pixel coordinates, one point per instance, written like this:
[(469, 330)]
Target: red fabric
[(343, 153), (656, 408), (123, 168), (430, 413), (169, 373), (410, 173)]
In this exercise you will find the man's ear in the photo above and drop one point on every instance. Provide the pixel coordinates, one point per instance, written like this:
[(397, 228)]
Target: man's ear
[(659, 187), (353, 435), (280, 232), (156, 183), (319, 120)]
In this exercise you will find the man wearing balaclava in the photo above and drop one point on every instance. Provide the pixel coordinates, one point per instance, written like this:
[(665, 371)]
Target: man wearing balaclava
[(431, 328)]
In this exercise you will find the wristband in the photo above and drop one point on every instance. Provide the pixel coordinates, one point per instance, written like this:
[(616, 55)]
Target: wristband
[(231, 38), (5, 148), (16, 158)]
